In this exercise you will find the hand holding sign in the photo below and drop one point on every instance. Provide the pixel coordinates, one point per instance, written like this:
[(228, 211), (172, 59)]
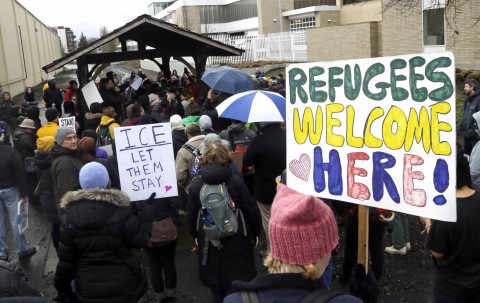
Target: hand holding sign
[(67, 122)]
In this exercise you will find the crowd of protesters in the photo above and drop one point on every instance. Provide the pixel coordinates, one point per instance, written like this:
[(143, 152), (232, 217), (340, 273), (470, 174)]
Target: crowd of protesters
[(74, 176)]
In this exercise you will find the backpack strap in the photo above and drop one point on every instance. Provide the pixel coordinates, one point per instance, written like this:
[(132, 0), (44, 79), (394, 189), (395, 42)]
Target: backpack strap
[(250, 296), (192, 149), (232, 141), (320, 295)]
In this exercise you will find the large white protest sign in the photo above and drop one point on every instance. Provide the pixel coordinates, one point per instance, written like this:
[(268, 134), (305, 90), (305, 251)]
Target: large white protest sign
[(67, 122), (145, 161), (378, 132), (22, 216), (137, 82), (91, 94)]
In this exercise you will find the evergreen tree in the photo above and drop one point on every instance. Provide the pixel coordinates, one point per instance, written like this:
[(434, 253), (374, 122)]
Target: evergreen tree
[(83, 41)]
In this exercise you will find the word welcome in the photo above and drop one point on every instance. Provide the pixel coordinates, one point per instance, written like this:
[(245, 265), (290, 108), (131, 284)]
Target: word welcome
[(398, 130)]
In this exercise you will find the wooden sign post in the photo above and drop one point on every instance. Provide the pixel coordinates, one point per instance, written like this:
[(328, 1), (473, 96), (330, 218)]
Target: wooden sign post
[(363, 220)]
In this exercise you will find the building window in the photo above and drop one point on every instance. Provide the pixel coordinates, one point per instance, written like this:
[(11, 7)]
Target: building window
[(345, 2), (307, 3), (302, 24), (434, 26)]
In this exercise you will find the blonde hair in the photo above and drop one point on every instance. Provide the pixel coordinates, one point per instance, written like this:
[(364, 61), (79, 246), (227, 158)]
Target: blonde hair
[(109, 111), (274, 266)]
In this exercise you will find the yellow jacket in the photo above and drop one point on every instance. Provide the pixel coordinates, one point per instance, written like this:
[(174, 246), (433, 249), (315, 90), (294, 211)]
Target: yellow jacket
[(106, 120), (48, 129)]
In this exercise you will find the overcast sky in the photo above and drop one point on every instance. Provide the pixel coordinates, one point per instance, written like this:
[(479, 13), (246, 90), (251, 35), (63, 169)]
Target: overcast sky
[(86, 16)]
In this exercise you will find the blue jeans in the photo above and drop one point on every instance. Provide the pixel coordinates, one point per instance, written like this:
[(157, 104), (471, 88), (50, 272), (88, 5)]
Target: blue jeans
[(440, 296), (9, 198)]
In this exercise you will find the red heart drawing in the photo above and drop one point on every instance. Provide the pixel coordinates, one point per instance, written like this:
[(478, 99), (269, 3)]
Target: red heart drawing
[(301, 168), (167, 188)]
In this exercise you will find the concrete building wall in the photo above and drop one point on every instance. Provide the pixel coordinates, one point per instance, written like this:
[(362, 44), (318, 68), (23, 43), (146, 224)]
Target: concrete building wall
[(465, 45), (369, 11), (401, 31), (268, 12), (188, 17), (327, 18), (26, 44), (352, 41)]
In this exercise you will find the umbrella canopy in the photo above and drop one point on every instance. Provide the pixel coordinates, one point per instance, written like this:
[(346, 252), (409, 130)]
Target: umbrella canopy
[(228, 79), (254, 106)]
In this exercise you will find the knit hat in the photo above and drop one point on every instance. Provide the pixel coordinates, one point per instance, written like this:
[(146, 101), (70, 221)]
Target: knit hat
[(209, 140), (205, 122), (45, 143), (51, 114), (94, 175), (176, 122), (302, 228), (27, 123), (90, 133), (62, 132)]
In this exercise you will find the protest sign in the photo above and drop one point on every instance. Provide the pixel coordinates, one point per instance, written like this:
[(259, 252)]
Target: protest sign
[(145, 161), (22, 216), (68, 122), (137, 82), (378, 132), (91, 94)]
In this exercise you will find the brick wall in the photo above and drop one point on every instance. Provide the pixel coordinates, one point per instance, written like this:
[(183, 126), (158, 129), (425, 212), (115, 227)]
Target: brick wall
[(401, 32), (341, 42), (466, 43)]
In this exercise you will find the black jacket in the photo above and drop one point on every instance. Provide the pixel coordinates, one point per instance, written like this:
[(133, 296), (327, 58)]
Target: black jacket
[(240, 135), (268, 153), (92, 121), (12, 170), (468, 125), (52, 95), (178, 139), (24, 143), (65, 169), (208, 108), (235, 260), (43, 161), (113, 99), (155, 210), (33, 113), (97, 233)]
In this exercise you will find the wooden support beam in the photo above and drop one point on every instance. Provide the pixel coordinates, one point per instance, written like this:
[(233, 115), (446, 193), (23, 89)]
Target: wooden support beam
[(363, 220), (125, 56)]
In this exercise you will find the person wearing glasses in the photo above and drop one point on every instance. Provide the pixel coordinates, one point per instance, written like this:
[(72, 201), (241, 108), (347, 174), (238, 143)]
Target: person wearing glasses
[(65, 164)]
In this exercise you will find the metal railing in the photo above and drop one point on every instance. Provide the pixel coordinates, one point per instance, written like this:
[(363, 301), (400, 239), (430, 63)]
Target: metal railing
[(285, 47)]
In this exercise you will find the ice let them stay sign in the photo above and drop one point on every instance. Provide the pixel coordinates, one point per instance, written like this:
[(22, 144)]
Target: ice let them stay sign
[(145, 161)]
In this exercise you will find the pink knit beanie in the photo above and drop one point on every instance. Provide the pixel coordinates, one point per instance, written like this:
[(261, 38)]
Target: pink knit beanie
[(302, 228)]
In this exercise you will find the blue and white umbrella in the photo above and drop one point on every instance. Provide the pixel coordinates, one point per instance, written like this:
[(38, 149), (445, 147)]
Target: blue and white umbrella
[(254, 106)]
